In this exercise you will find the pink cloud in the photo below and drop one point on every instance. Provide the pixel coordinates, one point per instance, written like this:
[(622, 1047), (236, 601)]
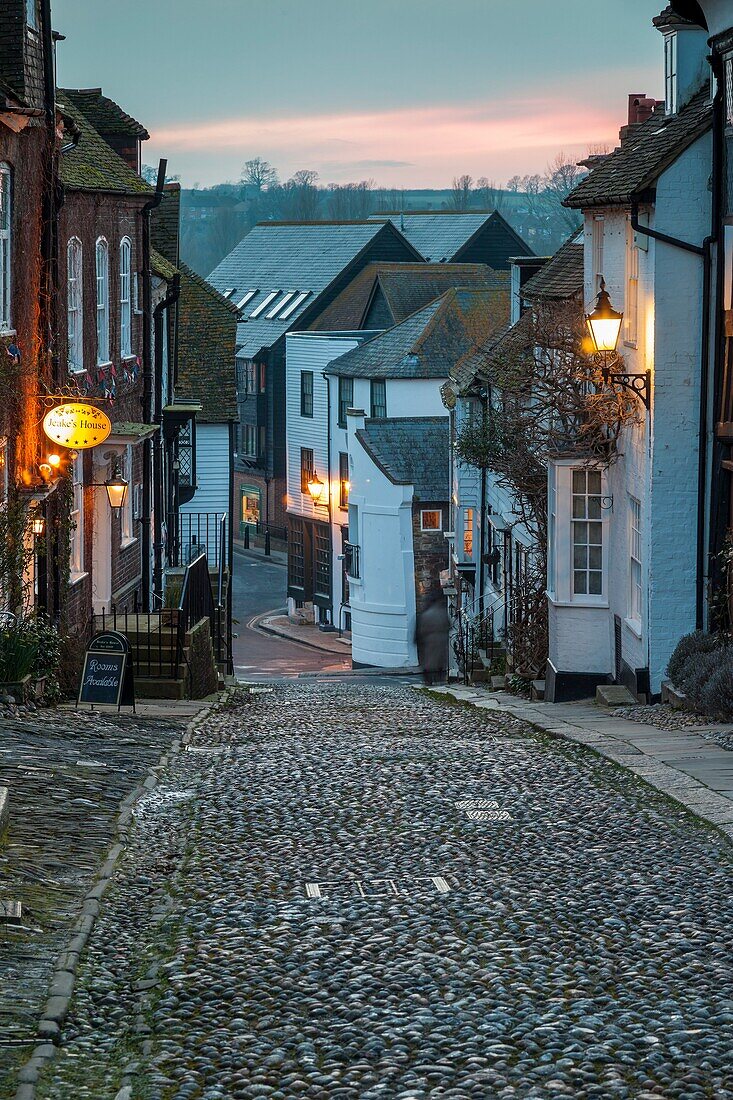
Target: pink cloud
[(410, 146)]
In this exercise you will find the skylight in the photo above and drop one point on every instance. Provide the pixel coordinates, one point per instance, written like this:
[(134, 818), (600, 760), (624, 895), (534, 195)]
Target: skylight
[(228, 293), (279, 305), (246, 299), (264, 303), (290, 309)]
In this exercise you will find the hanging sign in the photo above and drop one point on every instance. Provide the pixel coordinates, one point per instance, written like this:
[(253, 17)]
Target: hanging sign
[(107, 674), (77, 426)]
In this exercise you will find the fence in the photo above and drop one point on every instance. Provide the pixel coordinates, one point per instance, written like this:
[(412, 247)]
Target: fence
[(194, 533)]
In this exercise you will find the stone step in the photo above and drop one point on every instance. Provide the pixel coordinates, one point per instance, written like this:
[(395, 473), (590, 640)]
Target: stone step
[(614, 695), (151, 688)]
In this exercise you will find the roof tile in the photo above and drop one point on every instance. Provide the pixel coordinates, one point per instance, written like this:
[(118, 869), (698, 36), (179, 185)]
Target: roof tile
[(411, 451)]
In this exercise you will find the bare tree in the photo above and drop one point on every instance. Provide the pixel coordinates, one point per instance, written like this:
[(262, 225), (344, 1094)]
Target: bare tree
[(301, 196), (259, 174), (490, 196), (461, 193), (514, 184), (563, 175)]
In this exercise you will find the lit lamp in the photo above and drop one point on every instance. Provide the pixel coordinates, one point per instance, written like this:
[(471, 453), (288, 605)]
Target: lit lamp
[(116, 487), (604, 324), (39, 524), (315, 487)]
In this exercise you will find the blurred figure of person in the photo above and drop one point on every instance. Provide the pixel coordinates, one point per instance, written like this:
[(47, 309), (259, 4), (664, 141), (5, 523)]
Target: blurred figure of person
[(431, 636)]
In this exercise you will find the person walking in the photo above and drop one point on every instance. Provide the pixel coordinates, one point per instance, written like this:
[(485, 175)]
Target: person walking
[(431, 636)]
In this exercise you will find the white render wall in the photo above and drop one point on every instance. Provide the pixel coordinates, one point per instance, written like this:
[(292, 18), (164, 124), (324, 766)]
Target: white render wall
[(383, 606)]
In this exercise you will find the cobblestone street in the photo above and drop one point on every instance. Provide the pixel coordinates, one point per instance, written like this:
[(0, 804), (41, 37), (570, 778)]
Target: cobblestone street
[(354, 890)]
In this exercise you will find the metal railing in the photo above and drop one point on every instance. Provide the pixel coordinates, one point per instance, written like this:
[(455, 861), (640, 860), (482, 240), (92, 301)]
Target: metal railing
[(193, 533), (156, 651), (273, 530)]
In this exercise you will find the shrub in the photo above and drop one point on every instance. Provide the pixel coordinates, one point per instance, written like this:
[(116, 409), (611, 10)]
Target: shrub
[(697, 671), (30, 646), (717, 694), (695, 644)]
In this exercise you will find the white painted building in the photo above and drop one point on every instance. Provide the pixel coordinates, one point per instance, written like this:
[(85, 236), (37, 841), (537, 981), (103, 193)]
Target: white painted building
[(625, 579)]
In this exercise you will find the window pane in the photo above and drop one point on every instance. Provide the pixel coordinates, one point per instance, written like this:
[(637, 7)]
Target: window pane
[(594, 481), (579, 481), (594, 507), (595, 587), (580, 533), (579, 508), (580, 557), (595, 534), (580, 586), (595, 557)]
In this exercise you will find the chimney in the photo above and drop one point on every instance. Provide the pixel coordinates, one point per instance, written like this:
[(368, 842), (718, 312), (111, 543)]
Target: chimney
[(641, 107)]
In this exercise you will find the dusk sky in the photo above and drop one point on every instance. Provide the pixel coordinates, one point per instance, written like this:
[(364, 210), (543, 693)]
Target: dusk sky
[(409, 92)]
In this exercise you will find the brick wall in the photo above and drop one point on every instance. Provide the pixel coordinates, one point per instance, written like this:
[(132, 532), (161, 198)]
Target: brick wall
[(431, 554)]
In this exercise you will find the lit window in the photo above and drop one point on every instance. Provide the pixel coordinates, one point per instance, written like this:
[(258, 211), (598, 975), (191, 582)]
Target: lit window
[(102, 270), (468, 532), (378, 398), (587, 525), (634, 559), (77, 519), (5, 255), (75, 305), (431, 520), (670, 73), (631, 313), (306, 468), (129, 504), (125, 298), (306, 393), (344, 484)]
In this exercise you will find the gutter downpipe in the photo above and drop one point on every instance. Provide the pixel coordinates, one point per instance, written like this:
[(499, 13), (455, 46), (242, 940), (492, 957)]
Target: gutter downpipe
[(482, 540), (170, 300), (704, 251), (147, 411), (328, 477)]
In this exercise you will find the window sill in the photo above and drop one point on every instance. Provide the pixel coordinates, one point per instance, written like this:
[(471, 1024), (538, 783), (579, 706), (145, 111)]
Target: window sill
[(7, 331), (107, 363), (128, 357), (634, 625), (598, 604), (127, 543), (76, 578), (631, 344)]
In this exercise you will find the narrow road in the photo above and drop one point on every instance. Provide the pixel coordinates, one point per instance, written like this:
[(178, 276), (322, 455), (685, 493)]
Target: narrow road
[(357, 891), (259, 586)]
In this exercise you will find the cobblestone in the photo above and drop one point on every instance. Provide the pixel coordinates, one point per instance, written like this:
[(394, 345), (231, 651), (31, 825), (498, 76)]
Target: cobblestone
[(67, 772), (276, 928)]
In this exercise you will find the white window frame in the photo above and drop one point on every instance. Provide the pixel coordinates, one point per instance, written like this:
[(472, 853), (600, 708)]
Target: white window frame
[(127, 529), (631, 312), (560, 555), (598, 235), (469, 529), (670, 73), (431, 512), (101, 266), (728, 78), (75, 305), (126, 298), (76, 557), (636, 575), (6, 252)]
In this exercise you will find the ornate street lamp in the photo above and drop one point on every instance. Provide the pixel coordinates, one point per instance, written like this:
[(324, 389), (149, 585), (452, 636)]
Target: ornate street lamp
[(116, 487), (38, 524), (604, 325), (315, 487)]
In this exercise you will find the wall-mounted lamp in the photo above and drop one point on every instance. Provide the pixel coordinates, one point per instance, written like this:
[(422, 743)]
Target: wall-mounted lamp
[(38, 524), (604, 326), (315, 487), (116, 487)]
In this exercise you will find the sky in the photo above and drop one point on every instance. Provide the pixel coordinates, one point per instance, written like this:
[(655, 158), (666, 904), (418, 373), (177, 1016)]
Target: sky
[(409, 93)]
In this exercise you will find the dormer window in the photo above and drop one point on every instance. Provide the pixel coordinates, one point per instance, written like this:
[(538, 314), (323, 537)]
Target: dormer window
[(670, 73)]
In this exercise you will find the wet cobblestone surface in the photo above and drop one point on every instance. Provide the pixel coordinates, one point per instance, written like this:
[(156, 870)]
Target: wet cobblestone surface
[(356, 891), (67, 773)]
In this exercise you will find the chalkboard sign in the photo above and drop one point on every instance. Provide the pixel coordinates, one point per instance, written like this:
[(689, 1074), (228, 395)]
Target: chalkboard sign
[(106, 678)]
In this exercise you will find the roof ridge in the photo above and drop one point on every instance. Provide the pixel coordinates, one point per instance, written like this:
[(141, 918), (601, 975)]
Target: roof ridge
[(207, 286)]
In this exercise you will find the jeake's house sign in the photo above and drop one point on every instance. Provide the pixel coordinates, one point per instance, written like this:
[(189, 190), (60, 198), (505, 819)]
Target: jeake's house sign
[(77, 426)]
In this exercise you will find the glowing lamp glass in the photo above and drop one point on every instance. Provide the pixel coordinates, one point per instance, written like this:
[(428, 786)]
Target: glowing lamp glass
[(604, 323), (116, 487), (39, 525), (54, 461), (315, 488)]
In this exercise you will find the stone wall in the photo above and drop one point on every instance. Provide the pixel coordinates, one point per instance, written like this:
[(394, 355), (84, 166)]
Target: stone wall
[(431, 554)]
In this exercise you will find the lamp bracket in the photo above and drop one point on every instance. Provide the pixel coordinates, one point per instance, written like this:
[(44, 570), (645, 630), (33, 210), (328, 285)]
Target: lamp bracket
[(639, 383)]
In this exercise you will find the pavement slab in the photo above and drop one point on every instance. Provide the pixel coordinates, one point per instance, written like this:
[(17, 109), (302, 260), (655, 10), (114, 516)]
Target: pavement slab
[(357, 890)]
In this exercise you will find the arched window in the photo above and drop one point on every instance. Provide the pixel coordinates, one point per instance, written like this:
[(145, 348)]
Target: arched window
[(125, 298), (102, 266), (5, 250), (74, 305)]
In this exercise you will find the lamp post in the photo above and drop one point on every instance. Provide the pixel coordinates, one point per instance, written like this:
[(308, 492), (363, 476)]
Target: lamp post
[(604, 326)]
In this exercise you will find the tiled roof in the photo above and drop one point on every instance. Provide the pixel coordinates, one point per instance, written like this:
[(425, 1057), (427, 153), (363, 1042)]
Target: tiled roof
[(561, 277), (506, 343), (161, 266), (431, 341), (207, 330), (670, 18), (165, 223), (91, 165), (106, 116), (650, 148), (440, 235), (288, 257), (411, 450), (405, 288)]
